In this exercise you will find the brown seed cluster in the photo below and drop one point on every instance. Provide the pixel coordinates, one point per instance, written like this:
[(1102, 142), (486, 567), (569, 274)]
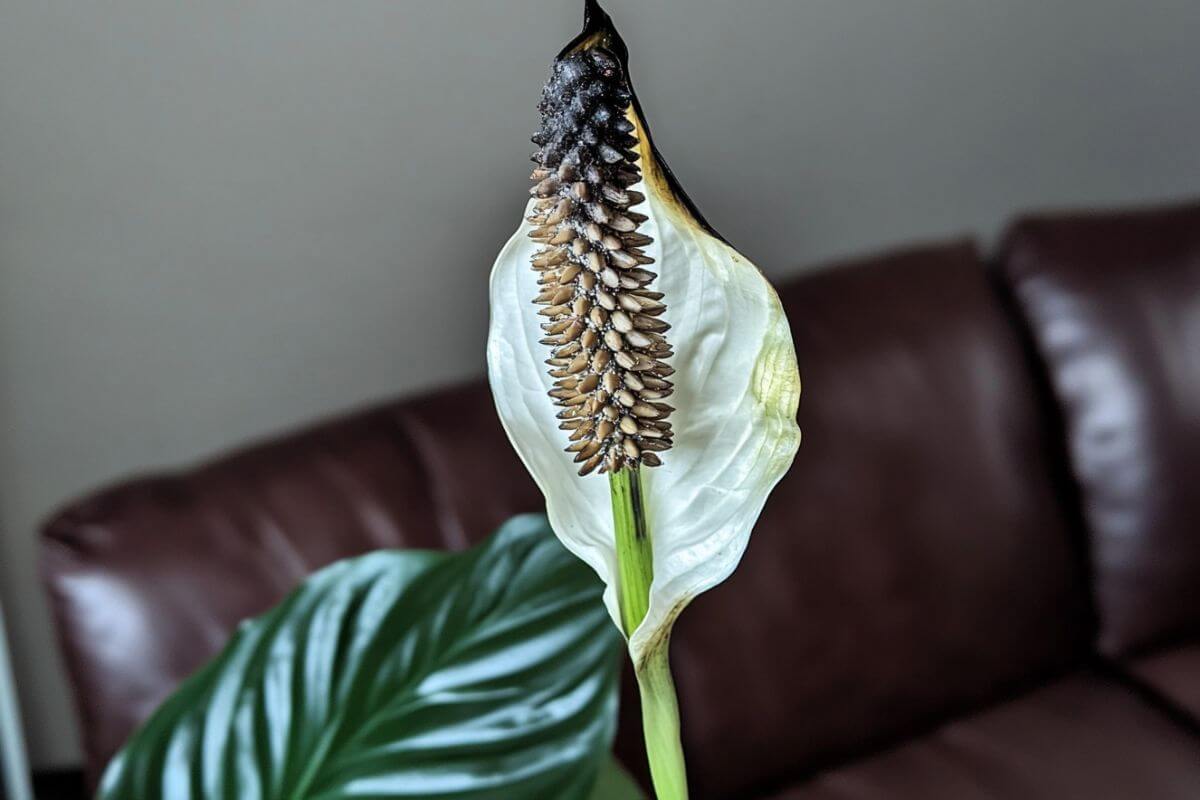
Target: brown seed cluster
[(603, 320)]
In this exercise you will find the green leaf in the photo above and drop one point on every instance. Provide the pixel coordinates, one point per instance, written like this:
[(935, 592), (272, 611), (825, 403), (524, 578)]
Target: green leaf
[(485, 674), (615, 783)]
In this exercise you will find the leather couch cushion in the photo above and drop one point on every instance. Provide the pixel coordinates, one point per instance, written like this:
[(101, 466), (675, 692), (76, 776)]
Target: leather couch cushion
[(915, 561), (1113, 304), (1082, 738), (148, 579), (1174, 674)]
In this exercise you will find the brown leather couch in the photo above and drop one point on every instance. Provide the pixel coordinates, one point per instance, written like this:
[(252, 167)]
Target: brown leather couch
[(980, 580)]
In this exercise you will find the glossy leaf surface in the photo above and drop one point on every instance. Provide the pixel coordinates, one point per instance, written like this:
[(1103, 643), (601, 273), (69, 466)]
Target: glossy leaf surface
[(485, 674)]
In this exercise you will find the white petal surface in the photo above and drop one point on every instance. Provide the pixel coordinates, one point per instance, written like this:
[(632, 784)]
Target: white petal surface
[(737, 389)]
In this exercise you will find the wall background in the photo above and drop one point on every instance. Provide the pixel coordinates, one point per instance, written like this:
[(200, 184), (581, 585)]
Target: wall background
[(221, 219)]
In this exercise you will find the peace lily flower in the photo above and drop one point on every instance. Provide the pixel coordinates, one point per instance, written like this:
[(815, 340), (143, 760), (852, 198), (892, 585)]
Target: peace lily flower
[(628, 339)]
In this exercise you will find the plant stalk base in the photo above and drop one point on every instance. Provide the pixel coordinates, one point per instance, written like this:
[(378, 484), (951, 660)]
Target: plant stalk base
[(635, 573)]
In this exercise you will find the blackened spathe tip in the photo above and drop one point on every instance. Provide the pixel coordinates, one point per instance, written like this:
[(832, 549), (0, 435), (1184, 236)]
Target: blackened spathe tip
[(598, 30)]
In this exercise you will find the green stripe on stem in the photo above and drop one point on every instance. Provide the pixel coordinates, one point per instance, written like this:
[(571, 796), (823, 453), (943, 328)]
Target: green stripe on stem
[(635, 573)]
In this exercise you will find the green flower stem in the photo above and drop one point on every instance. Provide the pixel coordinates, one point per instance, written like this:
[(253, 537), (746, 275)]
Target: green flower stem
[(635, 572), (635, 554), (660, 725)]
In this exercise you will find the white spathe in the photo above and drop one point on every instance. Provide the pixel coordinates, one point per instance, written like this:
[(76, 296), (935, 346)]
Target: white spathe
[(736, 393)]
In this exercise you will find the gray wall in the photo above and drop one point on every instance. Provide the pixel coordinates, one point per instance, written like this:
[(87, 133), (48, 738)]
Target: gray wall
[(220, 219)]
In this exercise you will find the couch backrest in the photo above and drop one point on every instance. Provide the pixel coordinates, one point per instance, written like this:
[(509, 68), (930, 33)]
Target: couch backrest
[(915, 562), (1113, 304)]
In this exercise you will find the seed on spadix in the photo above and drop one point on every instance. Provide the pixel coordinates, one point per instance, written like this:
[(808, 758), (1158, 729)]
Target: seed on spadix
[(546, 188), (560, 212), (574, 328), (549, 258), (638, 339), (622, 259)]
